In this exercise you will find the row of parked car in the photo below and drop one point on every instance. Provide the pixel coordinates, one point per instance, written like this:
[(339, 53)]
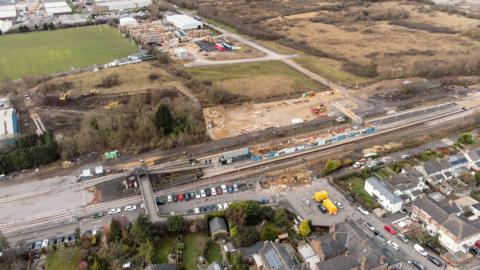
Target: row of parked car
[(201, 193), (46, 243)]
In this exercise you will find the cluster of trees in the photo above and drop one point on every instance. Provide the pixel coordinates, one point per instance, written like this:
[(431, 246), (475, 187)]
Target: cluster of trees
[(331, 166), (466, 138), (463, 65), (135, 126), (29, 152)]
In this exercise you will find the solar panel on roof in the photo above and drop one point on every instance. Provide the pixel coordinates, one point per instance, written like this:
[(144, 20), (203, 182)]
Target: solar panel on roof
[(273, 259)]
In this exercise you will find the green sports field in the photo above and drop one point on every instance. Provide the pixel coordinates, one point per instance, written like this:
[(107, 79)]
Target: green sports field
[(40, 53)]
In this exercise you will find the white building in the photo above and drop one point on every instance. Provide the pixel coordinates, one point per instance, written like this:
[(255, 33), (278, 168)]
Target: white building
[(473, 158), (56, 7), (122, 4), (127, 21), (5, 26), (184, 22), (8, 12), (8, 123), (383, 194)]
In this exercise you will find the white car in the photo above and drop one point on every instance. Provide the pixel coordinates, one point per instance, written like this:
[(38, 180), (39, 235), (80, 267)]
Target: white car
[(94, 231), (196, 210), (44, 243), (130, 208), (219, 207), (225, 205), (393, 245), (202, 193), (224, 188), (214, 192), (197, 195), (235, 188), (169, 198), (357, 165), (339, 204), (363, 210), (306, 202), (142, 205), (404, 156), (420, 250), (114, 211)]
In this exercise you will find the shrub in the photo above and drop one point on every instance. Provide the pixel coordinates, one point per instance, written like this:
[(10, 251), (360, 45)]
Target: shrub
[(110, 81), (153, 76), (363, 70), (424, 27), (466, 138), (247, 236), (331, 165)]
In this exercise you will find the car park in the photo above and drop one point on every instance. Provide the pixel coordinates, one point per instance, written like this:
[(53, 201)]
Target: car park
[(435, 260), (393, 245), (322, 208), (419, 266), (97, 215), (363, 210), (370, 226), (420, 250), (235, 187), (219, 190), (130, 208), (402, 237), (114, 211), (389, 229), (224, 188)]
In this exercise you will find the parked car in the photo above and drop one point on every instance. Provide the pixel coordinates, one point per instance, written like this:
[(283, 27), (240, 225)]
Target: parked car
[(203, 194), (97, 215), (114, 211), (44, 243), (186, 196), (219, 190), (357, 165), (322, 208), (474, 251), (208, 192), (235, 187), (434, 260), (180, 197), (196, 210), (193, 195), (264, 201), (379, 234), (219, 206), (175, 197), (477, 244), (370, 226), (130, 208), (225, 205), (338, 204), (418, 265), (405, 156), (390, 230), (393, 245), (420, 250), (230, 189), (363, 210), (306, 202), (214, 192), (402, 237), (224, 188), (142, 205)]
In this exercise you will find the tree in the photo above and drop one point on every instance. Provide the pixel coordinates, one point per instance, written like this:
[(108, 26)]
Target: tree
[(477, 179), (281, 217), (163, 119), (146, 251), (3, 242), (304, 228), (267, 213), (45, 26), (142, 229), (51, 26), (247, 236), (269, 232), (175, 224), (115, 230), (331, 165), (252, 211), (466, 138)]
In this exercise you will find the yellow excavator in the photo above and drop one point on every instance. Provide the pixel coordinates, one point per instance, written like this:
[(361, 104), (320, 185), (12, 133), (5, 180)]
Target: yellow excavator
[(65, 96)]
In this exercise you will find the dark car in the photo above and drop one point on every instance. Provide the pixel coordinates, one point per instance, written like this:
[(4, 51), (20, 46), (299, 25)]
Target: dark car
[(219, 191), (378, 234), (160, 200), (175, 197), (97, 215), (419, 266), (230, 189), (192, 195), (474, 251), (322, 208), (208, 192), (434, 260), (186, 196)]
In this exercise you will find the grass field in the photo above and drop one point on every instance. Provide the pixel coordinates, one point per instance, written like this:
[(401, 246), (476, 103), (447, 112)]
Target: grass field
[(194, 246), (64, 259), (162, 248), (41, 53), (257, 80), (214, 254)]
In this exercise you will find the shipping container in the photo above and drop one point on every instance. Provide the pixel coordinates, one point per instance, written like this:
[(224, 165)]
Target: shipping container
[(321, 195), (227, 47), (331, 208), (219, 47)]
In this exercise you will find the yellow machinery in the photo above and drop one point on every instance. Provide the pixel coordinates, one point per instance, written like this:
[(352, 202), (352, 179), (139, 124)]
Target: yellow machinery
[(321, 195), (65, 95), (331, 208)]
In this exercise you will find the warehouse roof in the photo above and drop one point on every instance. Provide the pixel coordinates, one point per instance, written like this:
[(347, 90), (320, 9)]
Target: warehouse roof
[(180, 21), (7, 11), (56, 7)]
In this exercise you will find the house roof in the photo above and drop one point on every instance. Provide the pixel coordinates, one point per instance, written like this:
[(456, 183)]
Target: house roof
[(403, 181), (249, 251), (330, 244), (383, 189), (279, 256), (162, 266), (458, 159), (214, 266), (435, 166), (445, 214), (474, 154), (217, 224)]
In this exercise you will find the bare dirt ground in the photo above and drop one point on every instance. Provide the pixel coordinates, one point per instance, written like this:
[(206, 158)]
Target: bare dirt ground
[(229, 121)]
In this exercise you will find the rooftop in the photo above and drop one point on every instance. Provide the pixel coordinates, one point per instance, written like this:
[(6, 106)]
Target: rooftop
[(383, 189), (217, 224), (279, 256), (474, 154)]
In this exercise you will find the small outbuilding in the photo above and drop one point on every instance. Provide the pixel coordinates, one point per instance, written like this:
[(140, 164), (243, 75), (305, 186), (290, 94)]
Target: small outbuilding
[(184, 22), (218, 228)]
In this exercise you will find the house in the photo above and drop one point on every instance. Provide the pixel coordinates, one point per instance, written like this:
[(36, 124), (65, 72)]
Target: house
[(309, 256), (357, 251), (436, 171), (383, 194), (410, 183), (218, 228), (458, 164), (278, 256), (444, 218), (56, 7), (8, 11), (330, 245), (473, 158)]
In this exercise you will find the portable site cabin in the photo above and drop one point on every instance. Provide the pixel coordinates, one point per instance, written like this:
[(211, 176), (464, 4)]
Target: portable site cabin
[(235, 155), (320, 195), (331, 208)]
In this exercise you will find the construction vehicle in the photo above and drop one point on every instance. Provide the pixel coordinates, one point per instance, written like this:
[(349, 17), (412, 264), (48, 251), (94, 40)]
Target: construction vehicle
[(65, 96), (331, 207), (318, 109), (111, 105), (321, 195), (308, 94)]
